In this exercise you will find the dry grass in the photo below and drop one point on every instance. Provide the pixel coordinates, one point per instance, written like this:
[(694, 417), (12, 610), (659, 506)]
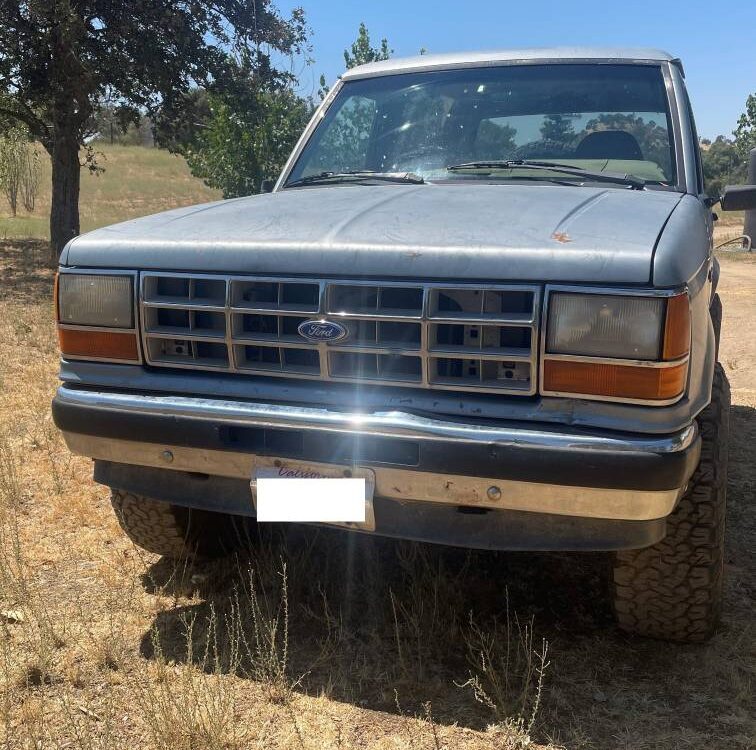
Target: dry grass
[(136, 181), (322, 639), (728, 226)]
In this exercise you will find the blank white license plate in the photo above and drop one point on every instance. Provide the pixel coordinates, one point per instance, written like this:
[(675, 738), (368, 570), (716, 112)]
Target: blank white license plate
[(299, 493)]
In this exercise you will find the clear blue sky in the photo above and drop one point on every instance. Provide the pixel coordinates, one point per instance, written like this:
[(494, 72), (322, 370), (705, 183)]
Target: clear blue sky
[(716, 41)]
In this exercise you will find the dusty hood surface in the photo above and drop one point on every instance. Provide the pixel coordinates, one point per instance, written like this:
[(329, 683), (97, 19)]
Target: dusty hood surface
[(503, 232)]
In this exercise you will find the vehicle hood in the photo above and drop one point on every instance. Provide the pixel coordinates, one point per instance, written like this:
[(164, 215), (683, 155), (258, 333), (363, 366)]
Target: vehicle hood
[(449, 231)]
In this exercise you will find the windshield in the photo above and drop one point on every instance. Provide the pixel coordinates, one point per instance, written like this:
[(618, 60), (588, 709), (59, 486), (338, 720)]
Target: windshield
[(612, 118)]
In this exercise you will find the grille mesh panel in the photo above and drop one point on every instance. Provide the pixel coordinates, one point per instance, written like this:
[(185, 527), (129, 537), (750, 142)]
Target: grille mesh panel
[(462, 337)]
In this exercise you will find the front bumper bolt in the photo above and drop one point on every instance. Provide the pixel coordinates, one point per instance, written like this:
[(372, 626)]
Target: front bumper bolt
[(494, 493), (167, 456)]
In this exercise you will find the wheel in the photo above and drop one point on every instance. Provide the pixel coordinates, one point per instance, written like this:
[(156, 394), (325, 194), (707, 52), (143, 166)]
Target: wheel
[(175, 531), (673, 590)]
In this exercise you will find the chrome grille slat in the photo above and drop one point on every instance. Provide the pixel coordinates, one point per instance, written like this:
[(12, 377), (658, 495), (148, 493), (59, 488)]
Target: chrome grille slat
[(185, 335), (275, 344), (474, 354), (177, 305), (524, 321), (377, 350), (463, 337), (272, 311)]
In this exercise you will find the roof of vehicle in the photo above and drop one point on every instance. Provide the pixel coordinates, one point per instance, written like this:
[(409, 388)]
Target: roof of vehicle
[(493, 57)]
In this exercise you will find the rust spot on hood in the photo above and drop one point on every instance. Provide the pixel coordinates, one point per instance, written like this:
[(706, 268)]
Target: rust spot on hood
[(561, 237)]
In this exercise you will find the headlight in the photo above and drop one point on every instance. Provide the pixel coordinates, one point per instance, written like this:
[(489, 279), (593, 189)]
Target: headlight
[(96, 316), (96, 300), (586, 331), (599, 325)]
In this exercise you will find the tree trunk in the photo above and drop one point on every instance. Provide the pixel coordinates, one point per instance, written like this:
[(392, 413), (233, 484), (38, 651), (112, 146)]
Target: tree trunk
[(66, 179)]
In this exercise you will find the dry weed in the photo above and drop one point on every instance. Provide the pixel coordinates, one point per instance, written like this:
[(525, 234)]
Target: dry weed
[(189, 709), (310, 639), (507, 673)]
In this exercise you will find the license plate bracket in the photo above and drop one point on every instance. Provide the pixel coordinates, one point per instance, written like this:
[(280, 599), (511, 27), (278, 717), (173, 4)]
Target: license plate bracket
[(289, 480)]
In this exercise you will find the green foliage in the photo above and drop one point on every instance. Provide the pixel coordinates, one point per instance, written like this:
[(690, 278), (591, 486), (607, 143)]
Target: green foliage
[(247, 138), (722, 165), (344, 146), (68, 57), (496, 138), (179, 127), (109, 126), (19, 169), (362, 51), (557, 128), (745, 132), (59, 61), (248, 130)]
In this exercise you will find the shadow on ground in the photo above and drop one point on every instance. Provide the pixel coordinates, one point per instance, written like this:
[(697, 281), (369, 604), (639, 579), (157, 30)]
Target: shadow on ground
[(26, 271), (370, 616)]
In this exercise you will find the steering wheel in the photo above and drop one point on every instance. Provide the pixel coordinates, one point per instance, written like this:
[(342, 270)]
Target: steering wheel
[(429, 150)]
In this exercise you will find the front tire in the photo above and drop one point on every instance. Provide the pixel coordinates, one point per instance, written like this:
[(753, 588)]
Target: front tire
[(175, 531), (673, 590)]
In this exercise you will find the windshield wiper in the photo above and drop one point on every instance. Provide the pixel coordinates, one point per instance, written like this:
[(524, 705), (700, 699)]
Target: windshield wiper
[(357, 175), (636, 183)]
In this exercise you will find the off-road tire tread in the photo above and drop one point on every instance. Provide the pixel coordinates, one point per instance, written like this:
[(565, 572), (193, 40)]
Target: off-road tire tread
[(171, 530), (673, 590), (715, 311)]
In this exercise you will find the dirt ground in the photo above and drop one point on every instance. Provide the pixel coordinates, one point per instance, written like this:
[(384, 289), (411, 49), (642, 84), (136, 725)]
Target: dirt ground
[(320, 639)]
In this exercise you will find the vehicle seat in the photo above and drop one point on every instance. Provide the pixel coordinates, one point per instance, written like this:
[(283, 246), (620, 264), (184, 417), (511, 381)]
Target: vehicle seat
[(609, 144)]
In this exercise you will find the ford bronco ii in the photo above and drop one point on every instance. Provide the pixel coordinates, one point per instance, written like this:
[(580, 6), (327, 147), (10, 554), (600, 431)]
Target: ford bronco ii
[(482, 282)]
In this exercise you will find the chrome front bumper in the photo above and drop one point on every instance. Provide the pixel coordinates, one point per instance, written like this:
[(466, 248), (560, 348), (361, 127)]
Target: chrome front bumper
[(472, 464)]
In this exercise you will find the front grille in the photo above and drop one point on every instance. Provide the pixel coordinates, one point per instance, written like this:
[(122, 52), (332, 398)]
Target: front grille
[(466, 337)]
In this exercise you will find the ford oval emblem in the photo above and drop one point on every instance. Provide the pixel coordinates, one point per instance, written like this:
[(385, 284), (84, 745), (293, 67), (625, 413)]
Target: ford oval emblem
[(322, 330)]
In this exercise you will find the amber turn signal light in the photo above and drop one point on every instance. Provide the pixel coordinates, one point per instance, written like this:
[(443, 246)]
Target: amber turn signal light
[(677, 328), (615, 381), (98, 344)]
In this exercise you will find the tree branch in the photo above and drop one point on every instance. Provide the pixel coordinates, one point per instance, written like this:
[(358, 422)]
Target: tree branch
[(36, 126)]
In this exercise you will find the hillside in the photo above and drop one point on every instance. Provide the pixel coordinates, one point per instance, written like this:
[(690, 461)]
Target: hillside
[(136, 181)]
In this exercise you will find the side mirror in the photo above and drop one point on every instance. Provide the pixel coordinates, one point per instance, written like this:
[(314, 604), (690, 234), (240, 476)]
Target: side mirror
[(739, 198), (266, 186)]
